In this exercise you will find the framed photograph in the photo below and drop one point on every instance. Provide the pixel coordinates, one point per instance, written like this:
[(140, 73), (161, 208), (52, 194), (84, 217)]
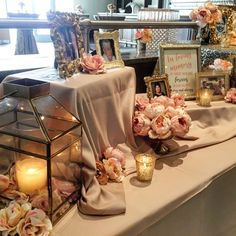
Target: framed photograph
[(107, 45), (217, 81), (181, 62), (157, 85), (67, 40)]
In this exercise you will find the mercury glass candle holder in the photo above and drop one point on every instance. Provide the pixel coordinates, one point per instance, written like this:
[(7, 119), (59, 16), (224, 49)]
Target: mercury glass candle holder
[(205, 96), (145, 164)]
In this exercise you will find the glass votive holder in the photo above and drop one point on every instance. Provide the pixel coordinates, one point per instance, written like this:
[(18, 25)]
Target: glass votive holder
[(145, 164), (205, 96)]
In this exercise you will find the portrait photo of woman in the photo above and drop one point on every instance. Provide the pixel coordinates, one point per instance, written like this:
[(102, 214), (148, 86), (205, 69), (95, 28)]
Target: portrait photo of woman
[(159, 89), (107, 49)]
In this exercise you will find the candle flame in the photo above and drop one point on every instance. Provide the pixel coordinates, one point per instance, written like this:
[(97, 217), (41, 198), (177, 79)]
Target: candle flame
[(31, 171)]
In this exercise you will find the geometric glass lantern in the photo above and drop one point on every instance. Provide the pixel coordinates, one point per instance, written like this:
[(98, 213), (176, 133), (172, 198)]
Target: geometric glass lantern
[(40, 148)]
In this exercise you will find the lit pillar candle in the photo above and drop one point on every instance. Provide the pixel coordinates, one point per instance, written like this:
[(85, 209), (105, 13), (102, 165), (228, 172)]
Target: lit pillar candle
[(145, 164), (205, 97), (31, 174)]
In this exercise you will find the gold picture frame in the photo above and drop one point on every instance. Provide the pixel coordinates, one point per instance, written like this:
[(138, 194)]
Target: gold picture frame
[(107, 46), (217, 81), (161, 81), (181, 61), (67, 40)]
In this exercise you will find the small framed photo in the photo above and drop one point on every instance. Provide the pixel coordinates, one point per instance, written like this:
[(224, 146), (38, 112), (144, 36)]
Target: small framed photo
[(181, 61), (217, 81), (107, 46), (157, 85)]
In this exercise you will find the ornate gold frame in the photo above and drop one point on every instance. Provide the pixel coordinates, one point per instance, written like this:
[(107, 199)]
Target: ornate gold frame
[(150, 80), (113, 36), (211, 74), (67, 22), (227, 13)]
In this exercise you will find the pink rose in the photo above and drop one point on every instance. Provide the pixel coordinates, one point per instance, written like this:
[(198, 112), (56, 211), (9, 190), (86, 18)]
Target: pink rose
[(4, 182), (180, 125), (92, 64), (111, 152), (231, 95), (141, 103), (160, 128), (141, 124), (15, 195), (178, 100), (153, 110), (11, 216), (65, 188), (35, 223), (113, 169)]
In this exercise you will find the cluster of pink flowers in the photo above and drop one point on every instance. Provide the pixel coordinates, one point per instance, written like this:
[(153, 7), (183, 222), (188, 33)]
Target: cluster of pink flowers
[(111, 167), (231, 95), (161, 118), (220, 64), (20, 219), (92, 64), (207, 14)]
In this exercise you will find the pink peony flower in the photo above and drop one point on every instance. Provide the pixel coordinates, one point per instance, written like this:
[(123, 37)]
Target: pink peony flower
[(141, 103), (210, 6), (113, 169), (231, 95), (170, 112), (153, 110), (207, 14), (180, 125), (111, 152), (35, 223), (220, 64), (4, 182), (155, 121), (92, 64), (163, 100), (141, 124), (178, 100), (160, 128)]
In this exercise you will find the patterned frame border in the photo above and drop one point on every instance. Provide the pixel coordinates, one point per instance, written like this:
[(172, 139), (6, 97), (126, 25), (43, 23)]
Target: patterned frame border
[(115, 37), (67, 67)]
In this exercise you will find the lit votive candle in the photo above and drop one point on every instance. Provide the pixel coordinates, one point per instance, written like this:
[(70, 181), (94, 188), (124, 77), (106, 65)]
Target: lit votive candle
[(205, 97), (145, 164), (31, 174)]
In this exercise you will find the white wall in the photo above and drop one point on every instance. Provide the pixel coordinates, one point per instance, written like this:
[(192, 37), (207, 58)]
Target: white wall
[(93, 6)]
